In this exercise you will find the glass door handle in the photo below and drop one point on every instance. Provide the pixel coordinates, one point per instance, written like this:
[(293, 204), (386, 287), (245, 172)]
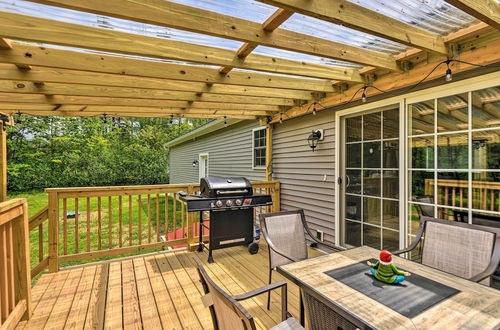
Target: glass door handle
[(347, 181)]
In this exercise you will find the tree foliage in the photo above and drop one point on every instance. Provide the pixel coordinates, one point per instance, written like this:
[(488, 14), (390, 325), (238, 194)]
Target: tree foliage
[(64, 152)]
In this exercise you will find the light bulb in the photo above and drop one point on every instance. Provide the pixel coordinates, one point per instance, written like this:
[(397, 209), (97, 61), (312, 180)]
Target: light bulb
[(449, 76), (363, 97), (281, 118), (314, 110), (225, 121)]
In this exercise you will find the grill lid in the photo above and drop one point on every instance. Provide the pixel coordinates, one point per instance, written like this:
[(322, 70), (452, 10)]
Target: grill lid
[(218, 187)]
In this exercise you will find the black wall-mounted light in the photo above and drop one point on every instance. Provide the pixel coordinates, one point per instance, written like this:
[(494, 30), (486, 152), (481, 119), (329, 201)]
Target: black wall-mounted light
[(313, 139), (195, 162)]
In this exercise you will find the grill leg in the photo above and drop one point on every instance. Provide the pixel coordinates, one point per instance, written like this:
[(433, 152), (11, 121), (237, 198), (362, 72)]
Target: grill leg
[(210, 258), (269, 293), (200, 244)]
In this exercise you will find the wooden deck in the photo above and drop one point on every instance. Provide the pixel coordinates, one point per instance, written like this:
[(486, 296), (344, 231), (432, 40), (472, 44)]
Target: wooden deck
[(154, 291)]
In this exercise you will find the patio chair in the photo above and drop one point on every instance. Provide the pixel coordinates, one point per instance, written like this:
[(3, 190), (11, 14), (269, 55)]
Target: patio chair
[(468, 251), (284, 233), (228, 314), (425, 210)]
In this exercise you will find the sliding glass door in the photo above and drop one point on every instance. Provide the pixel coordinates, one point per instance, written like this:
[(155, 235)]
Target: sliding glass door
[(370, 183)]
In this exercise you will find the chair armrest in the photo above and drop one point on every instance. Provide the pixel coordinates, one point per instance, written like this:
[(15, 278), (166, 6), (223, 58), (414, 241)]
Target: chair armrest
[(328, 245), (268, 288), (398, 252), (260, 291), (492, 266)]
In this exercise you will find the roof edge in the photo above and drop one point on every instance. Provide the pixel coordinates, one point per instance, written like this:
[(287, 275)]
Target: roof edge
[(203, 130)]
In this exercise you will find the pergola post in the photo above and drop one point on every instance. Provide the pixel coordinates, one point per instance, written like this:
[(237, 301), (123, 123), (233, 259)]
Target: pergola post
[(269, 152), (3, 162)]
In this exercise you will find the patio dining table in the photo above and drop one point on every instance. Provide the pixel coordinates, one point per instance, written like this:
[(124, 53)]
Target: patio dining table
[(429, 298)]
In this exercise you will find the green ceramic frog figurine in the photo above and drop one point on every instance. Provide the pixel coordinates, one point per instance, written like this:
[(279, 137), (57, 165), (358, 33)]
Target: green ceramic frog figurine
[(385, 271)]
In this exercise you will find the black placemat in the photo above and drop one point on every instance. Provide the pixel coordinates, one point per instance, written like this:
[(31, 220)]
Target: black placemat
[(408, 298)]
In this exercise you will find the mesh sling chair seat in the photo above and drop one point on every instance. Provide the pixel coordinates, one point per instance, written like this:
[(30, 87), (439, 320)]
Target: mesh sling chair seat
[(228, 314), (468, 251), (285, 234)]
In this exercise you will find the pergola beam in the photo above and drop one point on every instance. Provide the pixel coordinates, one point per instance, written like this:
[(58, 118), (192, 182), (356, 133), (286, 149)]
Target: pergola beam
[(54, 75), (487, 11), (131, 114), (357, 17), (27, 99), (37, 29), (11, 86), (74, 60), (170, 14)]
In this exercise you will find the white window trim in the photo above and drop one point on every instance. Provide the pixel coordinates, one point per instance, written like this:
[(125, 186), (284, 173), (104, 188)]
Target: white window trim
[(462, 86), (253, 148)]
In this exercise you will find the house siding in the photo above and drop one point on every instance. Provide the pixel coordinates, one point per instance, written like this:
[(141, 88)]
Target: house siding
[(302, 171), (230, 154)]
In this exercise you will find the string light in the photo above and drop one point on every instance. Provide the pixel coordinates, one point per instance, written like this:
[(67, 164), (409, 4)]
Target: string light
[(281, 117), (171, 119), (363, 96), (448, 76), (314, 108), (225, 121)]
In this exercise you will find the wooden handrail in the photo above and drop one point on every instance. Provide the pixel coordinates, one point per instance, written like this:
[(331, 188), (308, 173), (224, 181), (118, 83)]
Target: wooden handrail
[(15, 279), (86, 223)]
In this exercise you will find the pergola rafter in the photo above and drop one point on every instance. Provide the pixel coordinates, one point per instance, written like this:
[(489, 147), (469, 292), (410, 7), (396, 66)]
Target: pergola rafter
[(29, 28), (95, 79), (170, 14)]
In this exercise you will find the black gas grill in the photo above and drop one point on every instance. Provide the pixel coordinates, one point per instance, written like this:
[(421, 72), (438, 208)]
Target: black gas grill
[(230, 202)]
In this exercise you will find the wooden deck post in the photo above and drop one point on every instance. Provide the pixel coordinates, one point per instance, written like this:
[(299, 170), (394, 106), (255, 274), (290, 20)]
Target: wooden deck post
[(53, 232), (3, 163), (22, 262), (276, 197), (190, 224), (269, 152)]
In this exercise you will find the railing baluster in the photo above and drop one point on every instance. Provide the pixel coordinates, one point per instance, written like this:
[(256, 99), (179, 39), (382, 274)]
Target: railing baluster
[(88, 224), (65, 226), (4, 301), (166, 215), (157, 217), (110, 222), (40, 242), (461, 192), (77, 230), (99, 223), (183, 219), (10, 266), (139, 234), (149, 218), (453, 196), (175, 215), (492, 199), (130, 219), (120, 221)]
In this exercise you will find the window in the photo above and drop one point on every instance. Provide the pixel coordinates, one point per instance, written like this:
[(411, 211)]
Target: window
[(454, 158), (259, 147)]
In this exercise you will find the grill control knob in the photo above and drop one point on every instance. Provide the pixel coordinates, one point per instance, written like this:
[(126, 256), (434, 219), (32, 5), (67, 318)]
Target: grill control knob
[(229, 203), (237, 202), (219, 204)]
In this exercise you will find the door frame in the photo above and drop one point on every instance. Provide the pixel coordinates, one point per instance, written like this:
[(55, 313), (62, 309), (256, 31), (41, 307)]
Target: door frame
[(202, 164), (339, 157)]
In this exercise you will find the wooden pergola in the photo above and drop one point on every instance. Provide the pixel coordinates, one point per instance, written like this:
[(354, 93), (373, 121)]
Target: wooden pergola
[(82, 70)]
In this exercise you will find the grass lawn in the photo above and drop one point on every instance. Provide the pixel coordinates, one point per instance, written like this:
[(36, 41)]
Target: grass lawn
[(100, 224)]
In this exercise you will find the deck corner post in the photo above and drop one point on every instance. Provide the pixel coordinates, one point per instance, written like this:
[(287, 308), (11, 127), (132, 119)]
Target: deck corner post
[(53, 232), (191, 241), (3, 162), (276, 197), (269, 152)]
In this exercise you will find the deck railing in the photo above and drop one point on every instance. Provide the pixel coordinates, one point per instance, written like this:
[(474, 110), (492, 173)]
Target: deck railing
[(485, 194), (15, 280), (100, 222)]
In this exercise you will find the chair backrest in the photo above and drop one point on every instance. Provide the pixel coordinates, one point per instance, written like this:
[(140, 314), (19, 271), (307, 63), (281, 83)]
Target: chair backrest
[(458, 248), (285, 231), (425, 210), (228, 314)]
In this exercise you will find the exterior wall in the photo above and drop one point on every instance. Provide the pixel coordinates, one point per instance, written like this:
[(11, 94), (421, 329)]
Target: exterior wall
[(230, 154), (302, 171)]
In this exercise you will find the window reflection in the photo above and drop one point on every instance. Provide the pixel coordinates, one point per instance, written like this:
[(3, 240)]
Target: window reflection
[(453, 113), (421, 117), (422, 152), (453, 151), (486, 108), (486, 149)]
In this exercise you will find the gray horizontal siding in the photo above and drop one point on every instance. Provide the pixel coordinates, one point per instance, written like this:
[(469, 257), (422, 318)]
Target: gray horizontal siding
[(301, 171), (230, 154)]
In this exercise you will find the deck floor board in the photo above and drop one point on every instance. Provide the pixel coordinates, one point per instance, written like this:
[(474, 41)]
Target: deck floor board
[(153, 291)]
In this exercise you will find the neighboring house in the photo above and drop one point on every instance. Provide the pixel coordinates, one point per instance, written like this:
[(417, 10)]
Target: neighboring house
[(370, 152)]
